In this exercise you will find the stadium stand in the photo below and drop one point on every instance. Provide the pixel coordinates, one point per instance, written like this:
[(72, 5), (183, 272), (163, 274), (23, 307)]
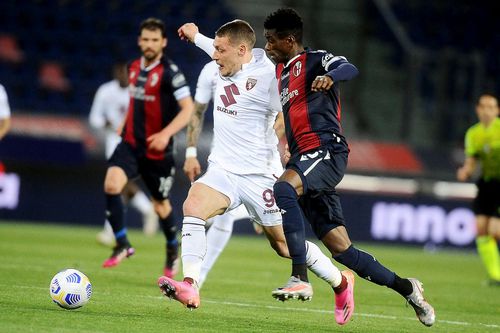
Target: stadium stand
[(67, 47)]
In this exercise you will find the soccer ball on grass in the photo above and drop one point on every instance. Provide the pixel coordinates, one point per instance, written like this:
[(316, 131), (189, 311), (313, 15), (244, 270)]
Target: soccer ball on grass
[(70, 289)]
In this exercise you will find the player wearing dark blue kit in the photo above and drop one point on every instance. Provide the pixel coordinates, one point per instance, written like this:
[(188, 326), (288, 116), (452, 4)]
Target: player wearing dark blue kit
[(309, 90), (160, 105)]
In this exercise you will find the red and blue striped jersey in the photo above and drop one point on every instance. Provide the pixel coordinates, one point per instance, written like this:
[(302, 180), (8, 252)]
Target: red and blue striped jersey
[(311, 118), (154, 91)]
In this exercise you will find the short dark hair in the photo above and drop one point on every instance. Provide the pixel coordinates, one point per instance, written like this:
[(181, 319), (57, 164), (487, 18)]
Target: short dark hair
[(153, 23), (237, 31), (286, 22)]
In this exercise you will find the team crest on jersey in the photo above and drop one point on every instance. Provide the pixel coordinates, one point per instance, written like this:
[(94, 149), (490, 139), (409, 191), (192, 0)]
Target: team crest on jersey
[(250, 83), (297, 68), (154, 79)]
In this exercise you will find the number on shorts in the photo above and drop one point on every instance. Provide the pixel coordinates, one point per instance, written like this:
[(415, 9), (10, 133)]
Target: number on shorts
[(268, 197)]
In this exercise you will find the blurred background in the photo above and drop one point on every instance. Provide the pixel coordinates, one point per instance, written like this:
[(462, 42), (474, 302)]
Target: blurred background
[(422, 66)]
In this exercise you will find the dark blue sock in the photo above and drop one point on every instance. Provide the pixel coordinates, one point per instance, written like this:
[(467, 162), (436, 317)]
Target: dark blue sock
[(293, 222), (366, 266), (115, 215), (169, 228)]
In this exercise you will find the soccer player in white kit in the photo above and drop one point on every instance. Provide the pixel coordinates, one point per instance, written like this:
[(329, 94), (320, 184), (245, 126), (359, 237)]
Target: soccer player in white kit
[(244, 162), (221, 226), (107, 115), (4, 113)]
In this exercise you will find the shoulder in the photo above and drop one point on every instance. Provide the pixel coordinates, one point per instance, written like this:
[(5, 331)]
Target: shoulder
[(211, 67), (209, 70), (172, 73), (474, 129), (136, 63), (263, 65), (170, 66)]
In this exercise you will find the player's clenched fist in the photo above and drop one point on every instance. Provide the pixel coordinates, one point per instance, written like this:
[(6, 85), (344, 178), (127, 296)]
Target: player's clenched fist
[(187, 31)]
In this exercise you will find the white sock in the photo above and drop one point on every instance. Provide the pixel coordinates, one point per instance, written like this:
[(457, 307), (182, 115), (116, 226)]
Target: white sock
[(194, 246), (217, 237), (321, 265), (107, 227), (141, 202)]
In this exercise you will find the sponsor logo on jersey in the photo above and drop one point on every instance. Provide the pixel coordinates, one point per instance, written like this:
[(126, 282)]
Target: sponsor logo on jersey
[(140, 94), (286, 96), (250, 83), (297, 68), (154, 79), (233, 113), (284, 76)]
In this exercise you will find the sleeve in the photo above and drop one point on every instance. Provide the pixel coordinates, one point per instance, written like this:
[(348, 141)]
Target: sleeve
[(97, 116), (469, 144), (275, 102), (4, 104), (178, 82), (204, 43), (338, 68), (205, 86)]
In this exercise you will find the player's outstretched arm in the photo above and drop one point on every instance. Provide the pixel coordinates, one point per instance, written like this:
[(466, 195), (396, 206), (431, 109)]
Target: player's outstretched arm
[(190, 32)]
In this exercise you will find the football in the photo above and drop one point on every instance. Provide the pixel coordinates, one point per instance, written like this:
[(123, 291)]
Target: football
[(70, 289)]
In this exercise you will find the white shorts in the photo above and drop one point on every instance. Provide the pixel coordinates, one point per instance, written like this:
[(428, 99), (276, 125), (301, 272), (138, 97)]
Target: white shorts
[(253, 191)]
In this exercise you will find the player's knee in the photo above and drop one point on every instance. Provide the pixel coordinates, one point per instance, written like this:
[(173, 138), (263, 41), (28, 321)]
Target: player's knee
[(285, 194), (112, 188), (163, 208), (192, 206)]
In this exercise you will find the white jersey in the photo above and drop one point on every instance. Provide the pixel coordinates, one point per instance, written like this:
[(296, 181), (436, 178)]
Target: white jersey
[(4, 104), (207, 82), (108, 112), (245, 109)]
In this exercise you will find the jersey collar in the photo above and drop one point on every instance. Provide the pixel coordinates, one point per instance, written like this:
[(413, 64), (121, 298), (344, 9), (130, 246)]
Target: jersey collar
[(294, 58), (150, 67)]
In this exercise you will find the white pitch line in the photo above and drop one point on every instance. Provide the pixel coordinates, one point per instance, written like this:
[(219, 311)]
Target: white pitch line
[(273, 307), (371, 315)]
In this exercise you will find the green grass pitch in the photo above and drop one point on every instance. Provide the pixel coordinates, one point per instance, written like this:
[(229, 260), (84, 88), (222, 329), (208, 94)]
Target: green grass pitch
[(237, 294)]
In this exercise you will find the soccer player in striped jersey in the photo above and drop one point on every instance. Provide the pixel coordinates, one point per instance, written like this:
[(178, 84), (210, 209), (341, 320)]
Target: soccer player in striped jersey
[(160, 106), (244, 160), (107, 115), (309, 90), (482, 145)]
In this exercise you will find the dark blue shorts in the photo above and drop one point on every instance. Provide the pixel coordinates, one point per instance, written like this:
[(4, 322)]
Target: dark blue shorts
[(321, 170), (487, 201), (158, 175)]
